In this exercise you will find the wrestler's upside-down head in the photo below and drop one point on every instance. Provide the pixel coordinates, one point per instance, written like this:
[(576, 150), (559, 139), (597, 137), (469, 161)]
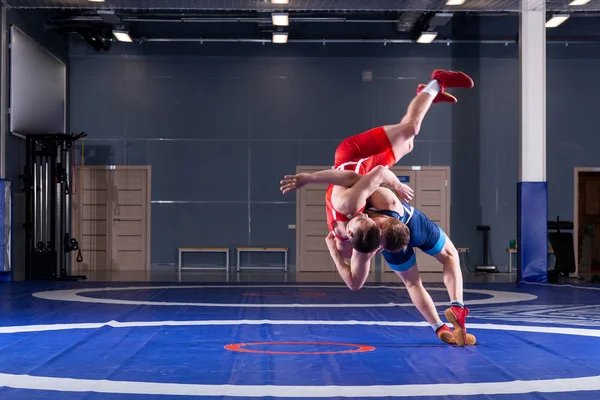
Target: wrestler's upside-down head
[(367, 236)]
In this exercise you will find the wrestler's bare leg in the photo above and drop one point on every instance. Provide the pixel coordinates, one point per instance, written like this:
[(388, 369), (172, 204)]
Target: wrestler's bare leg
[(424, 303), (402, 135), (452, 274), (418, 295), (453, 280)]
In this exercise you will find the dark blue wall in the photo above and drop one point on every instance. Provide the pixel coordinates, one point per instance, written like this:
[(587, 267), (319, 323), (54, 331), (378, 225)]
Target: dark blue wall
[(220, 132), (221, 126)]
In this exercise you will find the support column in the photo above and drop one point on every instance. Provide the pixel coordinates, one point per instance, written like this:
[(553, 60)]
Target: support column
[(3, 90), (532, 197)]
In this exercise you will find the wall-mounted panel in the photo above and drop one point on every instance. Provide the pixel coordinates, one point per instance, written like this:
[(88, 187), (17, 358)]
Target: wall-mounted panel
[(38, 87)]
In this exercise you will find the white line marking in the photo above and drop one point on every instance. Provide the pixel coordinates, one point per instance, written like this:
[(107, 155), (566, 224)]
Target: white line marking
[(117, 324), (177, 389), (561, 385), (496, 297)]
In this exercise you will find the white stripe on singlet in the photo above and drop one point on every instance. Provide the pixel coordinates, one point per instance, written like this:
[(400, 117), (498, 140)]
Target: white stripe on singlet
[(358, 164)]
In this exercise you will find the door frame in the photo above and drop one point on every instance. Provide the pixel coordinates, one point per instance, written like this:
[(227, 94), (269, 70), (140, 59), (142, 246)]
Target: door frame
[(576, 172), (148, 169)]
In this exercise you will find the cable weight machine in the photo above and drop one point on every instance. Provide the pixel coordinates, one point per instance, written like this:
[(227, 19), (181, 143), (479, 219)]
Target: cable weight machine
[(48, 186)]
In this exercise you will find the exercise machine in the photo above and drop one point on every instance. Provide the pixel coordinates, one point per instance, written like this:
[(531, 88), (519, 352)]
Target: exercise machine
[(48, 186), (562, 245), (485, 266)]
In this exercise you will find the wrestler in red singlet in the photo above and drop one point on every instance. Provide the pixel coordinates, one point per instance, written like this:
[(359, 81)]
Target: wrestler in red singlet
[(359, 153)]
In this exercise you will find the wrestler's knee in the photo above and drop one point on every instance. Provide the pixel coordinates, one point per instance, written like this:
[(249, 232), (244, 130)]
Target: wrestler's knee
[(449, 254), (410, 144), (412, 282)]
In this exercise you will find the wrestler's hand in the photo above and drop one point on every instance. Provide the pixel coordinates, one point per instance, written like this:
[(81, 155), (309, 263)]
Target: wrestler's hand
[(330, 241), (293, 182), (404, 192)]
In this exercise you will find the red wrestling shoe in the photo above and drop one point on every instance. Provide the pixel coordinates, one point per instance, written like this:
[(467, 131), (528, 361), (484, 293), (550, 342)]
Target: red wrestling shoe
[(452, 79), (442, 97), (447, 336), (456, 316)]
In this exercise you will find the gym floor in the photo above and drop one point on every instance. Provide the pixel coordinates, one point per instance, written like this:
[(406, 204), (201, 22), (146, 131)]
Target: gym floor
[(73, 340)]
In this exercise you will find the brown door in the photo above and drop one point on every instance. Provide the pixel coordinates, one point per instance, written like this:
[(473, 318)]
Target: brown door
[(111, 218), (90, 215), (432, 199), (589, 213), (313, 262), (129, 218)]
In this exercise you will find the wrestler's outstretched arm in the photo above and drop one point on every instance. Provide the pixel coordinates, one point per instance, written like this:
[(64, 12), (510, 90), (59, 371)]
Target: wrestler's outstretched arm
[(367, 184), (342, 178), (354, 274)]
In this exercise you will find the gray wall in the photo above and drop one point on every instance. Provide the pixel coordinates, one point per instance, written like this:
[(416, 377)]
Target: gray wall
[(221, 127)]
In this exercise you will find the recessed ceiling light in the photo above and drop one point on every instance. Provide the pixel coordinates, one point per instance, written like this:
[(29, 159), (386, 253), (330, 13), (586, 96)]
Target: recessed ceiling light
[(280, 19), (280, 37), (556, 20), (122, 36), (427, 37)]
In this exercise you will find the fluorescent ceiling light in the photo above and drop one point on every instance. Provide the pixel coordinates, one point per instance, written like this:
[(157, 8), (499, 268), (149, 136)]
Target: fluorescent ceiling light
[(556, 20), (427, 37), (280, 37), (578, 2), (280, 19), (280, 1), (122, 36), (455, 2), (96, 1)]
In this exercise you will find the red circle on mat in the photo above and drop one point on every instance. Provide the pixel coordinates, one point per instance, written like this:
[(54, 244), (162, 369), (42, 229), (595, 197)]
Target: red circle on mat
[(265, 294), (358, 348)]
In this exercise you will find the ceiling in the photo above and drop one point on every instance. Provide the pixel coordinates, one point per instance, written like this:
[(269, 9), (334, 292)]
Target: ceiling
[(297, 5), (379, 21)]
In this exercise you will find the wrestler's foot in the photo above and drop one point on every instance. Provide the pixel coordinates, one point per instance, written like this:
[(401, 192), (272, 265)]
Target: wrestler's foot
[(457, 315), (442, 97), (452, 79), (445, 335)]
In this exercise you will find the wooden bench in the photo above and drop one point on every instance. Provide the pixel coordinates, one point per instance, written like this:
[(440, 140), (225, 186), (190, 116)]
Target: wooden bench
[(283, 250), (182, 250)]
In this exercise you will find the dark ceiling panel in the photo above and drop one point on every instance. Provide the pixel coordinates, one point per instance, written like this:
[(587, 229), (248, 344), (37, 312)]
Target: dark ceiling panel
[(300, 5)]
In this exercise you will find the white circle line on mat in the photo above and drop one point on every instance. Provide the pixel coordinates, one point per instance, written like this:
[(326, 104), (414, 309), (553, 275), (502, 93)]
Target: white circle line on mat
[(578, 287), (496, 297), (560, 385)]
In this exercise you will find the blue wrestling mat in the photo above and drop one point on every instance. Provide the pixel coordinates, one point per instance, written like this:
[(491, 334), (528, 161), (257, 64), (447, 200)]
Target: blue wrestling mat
[(107, 341)]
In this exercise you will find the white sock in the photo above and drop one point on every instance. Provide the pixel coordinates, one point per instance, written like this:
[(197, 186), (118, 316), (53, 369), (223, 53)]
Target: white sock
[(432, 88), (437, 325)]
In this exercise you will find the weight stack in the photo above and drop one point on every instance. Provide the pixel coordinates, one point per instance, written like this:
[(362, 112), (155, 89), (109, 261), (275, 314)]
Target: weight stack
[(5, 230)]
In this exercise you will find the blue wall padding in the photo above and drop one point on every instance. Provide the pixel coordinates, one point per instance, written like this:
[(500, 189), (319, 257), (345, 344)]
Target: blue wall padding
[(532, 231), (5, 229)]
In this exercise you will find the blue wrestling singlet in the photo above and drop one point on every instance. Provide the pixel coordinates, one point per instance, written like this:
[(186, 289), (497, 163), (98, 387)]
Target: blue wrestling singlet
[(424, 234)]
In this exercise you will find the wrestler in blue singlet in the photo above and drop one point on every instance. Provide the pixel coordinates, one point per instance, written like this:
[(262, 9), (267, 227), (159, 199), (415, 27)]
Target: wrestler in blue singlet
[(424, 234)]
